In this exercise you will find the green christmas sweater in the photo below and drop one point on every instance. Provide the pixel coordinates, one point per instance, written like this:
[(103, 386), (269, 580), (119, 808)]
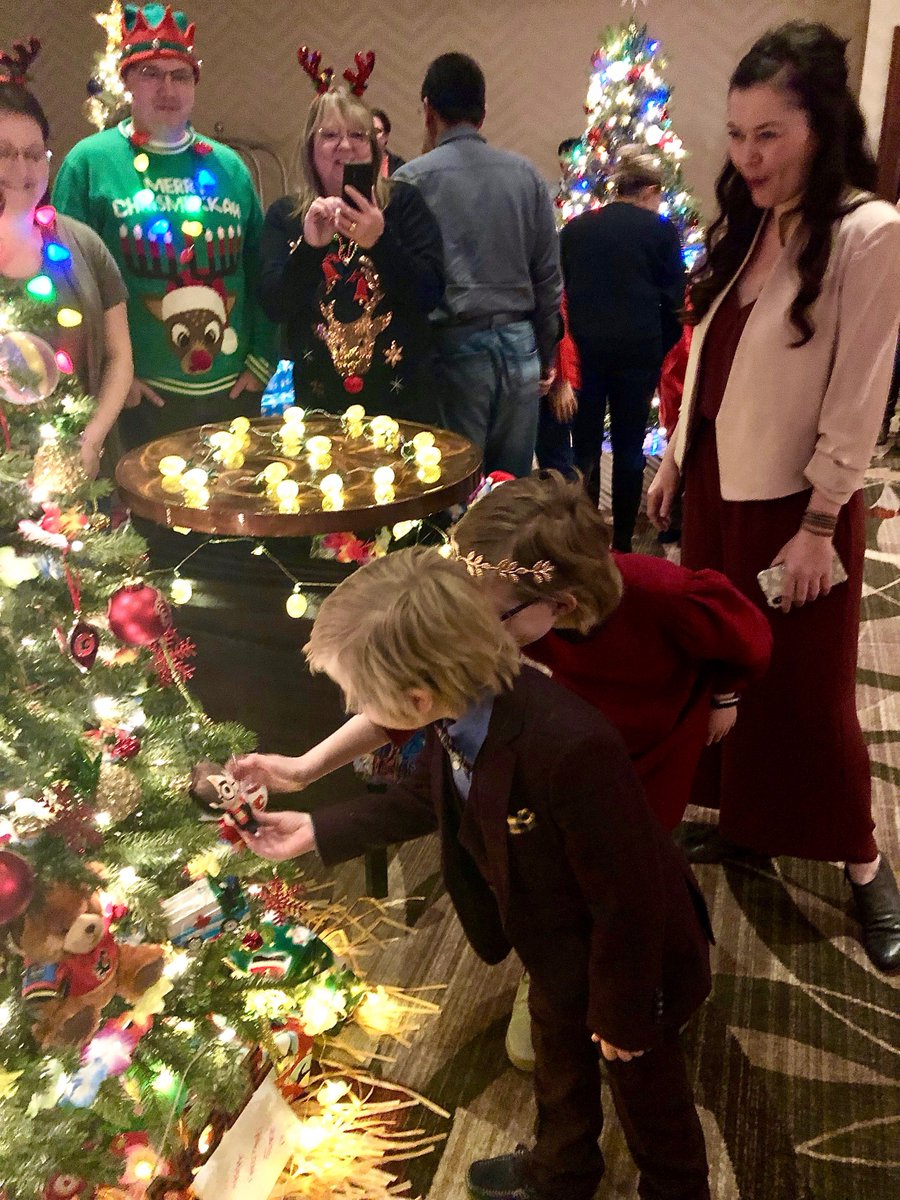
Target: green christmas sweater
[(183, 224)]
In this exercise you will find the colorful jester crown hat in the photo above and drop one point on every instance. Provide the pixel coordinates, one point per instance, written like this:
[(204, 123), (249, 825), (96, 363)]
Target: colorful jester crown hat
[(156, 31)]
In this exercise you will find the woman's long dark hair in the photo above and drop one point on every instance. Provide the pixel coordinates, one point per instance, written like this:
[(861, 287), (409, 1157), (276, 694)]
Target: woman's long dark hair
[(808, 61)]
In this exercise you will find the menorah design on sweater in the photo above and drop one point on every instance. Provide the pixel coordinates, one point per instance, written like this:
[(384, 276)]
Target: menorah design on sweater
[(195, 306)]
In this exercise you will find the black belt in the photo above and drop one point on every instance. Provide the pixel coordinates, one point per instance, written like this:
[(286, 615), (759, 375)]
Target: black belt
[(495, 321)]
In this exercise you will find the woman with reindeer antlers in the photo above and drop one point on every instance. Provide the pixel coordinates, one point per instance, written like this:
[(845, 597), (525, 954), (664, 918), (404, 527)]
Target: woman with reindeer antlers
[(352, 276), (34, 242)]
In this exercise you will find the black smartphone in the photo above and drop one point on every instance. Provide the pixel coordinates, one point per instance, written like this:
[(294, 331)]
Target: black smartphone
[(360, 176)]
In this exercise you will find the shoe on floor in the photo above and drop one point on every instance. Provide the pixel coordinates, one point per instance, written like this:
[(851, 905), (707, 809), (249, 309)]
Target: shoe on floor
[(704, 844), (501, 1178), (519, 1048), (878, 910)]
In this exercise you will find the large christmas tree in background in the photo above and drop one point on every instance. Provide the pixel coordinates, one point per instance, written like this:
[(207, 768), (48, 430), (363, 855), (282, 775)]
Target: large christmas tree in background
[(628, 104), (150, 969)]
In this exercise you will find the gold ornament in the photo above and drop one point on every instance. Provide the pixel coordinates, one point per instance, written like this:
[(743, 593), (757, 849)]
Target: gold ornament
[(57, 468), (118, 791)]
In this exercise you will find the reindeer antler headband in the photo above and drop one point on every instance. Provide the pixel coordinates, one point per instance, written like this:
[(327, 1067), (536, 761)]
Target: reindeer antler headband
[(357, 76), (14, 67), (507, 569)]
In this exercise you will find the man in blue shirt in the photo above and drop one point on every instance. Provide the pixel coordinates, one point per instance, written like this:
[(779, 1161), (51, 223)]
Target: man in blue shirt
[(497, 327)]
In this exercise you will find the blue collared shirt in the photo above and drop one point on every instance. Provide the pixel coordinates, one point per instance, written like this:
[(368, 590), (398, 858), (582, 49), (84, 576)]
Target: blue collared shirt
[(467, 734), (501, 250)]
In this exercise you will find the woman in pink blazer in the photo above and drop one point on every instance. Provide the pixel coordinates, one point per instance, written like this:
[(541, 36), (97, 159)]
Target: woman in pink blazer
[(795, 312)]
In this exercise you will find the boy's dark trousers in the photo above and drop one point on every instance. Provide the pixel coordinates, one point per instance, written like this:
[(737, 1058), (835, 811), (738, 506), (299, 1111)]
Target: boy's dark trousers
[(653, 1099), (652, 1094)]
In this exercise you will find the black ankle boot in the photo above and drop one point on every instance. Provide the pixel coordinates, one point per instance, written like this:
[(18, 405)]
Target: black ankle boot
[(878, 910), (704, 844)]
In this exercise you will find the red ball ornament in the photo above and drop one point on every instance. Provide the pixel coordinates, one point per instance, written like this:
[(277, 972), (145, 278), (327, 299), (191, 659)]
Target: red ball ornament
[(353, 384), (125, 746), (16, 885), (253, 941), (202, 148), (138, 615)]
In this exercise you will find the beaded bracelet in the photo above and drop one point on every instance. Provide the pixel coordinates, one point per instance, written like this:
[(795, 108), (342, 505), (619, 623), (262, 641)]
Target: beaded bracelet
[(731, 701)]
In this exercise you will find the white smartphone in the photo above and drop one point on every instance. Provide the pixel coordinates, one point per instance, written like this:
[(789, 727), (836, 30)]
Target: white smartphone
[(772, 580)]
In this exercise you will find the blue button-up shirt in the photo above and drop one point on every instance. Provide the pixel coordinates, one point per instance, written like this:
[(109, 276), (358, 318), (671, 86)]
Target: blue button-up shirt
[(501, 250), (467, 735)]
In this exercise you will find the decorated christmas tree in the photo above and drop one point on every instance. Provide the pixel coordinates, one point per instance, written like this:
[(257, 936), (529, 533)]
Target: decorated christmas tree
[(151, 971), (628, 104), (106, 91)]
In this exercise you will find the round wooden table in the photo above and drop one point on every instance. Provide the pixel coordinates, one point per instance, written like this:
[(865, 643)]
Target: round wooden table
[(240, 505)]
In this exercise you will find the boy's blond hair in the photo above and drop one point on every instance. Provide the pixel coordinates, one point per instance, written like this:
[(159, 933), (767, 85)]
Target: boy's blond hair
[(545, 519), (410, 620)]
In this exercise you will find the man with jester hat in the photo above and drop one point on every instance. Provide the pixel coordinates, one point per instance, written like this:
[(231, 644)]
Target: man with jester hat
[(180, 215)]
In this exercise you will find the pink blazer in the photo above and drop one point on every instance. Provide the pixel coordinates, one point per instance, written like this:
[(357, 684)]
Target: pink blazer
[(791, 418)]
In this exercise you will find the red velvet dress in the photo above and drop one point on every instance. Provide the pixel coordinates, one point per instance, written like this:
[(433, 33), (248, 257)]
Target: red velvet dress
[(676, 637), (793, 776)]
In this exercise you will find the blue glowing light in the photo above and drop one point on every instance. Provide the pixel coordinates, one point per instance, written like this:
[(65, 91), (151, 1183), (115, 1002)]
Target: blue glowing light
[(159, 228), (57, 253), (205, 180)]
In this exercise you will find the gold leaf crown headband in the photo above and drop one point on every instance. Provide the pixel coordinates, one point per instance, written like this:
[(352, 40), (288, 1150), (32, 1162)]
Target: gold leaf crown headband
[(507, 569)]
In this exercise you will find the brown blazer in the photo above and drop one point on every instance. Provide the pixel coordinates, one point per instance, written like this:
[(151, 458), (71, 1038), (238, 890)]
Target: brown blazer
[(795, 417), (592, 893)]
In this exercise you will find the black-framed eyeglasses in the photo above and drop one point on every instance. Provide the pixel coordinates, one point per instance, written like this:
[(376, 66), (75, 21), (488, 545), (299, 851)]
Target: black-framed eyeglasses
[(516, 609)]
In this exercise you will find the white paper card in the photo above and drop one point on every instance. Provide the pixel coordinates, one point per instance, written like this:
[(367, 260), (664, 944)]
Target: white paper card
[(248, 1161)]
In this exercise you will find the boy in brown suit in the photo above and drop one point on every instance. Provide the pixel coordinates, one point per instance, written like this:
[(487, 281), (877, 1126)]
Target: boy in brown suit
[(547, 848)]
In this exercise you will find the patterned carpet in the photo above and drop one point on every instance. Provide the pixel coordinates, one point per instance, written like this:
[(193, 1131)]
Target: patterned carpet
[(796, 1054)]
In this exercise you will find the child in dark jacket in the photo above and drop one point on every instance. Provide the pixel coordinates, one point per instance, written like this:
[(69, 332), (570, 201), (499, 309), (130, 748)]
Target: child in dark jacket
[(547, 847)]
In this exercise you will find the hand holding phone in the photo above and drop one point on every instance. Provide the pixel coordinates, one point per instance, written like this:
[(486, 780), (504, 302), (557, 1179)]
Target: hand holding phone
[(361, 176), (359, 218)]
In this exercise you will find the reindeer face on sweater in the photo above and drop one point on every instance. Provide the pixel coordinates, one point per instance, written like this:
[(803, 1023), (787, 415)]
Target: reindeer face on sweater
[(196, 319)]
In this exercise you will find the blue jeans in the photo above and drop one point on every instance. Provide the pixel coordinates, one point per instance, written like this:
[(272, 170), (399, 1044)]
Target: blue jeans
[(488, 385)]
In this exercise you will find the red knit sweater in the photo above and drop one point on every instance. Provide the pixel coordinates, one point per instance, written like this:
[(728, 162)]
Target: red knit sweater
[(677, 637)]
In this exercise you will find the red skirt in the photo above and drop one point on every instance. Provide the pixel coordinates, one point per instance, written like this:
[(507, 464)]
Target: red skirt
[(793, 775)]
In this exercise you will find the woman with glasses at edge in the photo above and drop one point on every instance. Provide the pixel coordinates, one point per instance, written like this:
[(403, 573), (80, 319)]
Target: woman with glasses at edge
[(84, 276), (351, 277)]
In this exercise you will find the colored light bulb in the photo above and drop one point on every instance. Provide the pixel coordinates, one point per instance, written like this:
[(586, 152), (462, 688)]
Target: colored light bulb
[(383, 477), (205, 179), (141, 162), (64, 362), (354, 414), (192, 229), (143, 198), (159, 228), (240, 425), (41, 287), (45, 215), (69, 318), (423, 439), (192, 204), (293, 415), (57, 253), (319, 447)]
